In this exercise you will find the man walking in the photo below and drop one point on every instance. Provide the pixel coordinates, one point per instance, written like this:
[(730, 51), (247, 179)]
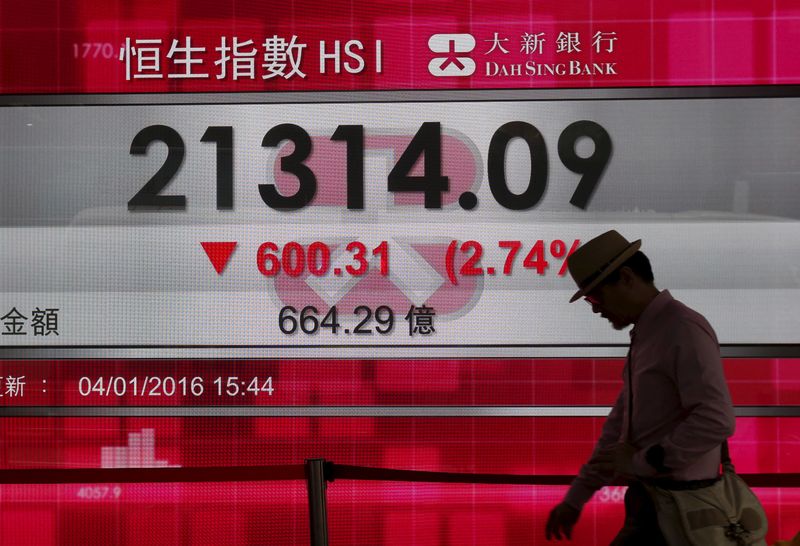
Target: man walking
[(674, 410)]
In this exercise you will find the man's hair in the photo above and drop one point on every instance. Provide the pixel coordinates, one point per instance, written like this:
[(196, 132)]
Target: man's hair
[(639, 264)]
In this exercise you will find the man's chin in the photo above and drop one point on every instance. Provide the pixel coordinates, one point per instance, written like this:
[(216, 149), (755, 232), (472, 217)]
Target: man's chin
[(619, 325)]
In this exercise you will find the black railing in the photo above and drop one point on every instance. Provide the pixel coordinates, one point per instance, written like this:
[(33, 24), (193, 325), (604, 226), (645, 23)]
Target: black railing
[(316, 472)]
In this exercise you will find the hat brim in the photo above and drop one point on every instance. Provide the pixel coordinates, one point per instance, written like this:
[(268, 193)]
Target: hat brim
[(609, 269)]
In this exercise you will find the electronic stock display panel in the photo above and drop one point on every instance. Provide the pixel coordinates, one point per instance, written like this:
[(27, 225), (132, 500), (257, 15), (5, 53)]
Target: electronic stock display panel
[(251, 239)]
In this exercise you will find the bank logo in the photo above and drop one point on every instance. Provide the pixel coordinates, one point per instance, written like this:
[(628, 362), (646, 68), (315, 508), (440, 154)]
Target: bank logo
[(455, 62), (420, 280), (418, 274)]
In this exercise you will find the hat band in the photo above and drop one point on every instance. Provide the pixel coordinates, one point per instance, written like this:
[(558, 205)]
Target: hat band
[(591, 278)]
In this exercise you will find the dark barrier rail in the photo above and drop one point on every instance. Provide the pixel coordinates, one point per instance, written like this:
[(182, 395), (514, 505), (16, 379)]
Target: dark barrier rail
[(316, 472), (298, 472)]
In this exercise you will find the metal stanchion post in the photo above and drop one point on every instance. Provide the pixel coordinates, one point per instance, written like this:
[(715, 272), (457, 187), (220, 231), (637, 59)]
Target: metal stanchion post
[(317, 505)]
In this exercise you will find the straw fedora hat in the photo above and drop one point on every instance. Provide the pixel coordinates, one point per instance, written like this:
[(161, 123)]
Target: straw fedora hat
[(597, 259)]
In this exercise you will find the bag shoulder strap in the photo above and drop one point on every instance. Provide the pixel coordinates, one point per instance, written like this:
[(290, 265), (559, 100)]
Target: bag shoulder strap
[(725, 458)]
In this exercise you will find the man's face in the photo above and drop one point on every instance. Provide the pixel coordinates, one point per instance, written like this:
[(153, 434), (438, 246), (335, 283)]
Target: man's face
[(608, 299)]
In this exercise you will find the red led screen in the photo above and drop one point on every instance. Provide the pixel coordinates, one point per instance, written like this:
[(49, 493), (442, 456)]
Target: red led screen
[(360, 512), (126, 281)]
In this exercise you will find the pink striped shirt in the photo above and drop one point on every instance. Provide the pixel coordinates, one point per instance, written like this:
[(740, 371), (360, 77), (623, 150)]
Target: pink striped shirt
[(680, 399)]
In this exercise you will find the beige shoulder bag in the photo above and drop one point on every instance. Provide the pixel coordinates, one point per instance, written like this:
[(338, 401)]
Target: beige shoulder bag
[(726, 513)]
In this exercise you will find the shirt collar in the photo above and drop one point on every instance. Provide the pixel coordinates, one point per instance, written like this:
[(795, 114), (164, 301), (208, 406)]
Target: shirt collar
[(650, 312)]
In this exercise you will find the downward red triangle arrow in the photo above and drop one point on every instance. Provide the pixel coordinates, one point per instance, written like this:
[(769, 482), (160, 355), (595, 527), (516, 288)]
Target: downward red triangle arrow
[(219, 253)]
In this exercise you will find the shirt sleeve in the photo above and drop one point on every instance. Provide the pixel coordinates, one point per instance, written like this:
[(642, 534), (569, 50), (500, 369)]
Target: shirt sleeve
[(704, 396), (590, 478)]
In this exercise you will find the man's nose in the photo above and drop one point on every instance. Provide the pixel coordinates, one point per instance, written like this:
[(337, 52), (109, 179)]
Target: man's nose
[(596, 308)]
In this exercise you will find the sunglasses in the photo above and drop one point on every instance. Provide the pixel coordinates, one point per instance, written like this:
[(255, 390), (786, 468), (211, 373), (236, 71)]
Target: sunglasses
[(593, 297)]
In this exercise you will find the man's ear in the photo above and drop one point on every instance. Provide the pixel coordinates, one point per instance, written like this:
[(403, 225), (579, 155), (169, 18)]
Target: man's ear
[(626, 276)]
